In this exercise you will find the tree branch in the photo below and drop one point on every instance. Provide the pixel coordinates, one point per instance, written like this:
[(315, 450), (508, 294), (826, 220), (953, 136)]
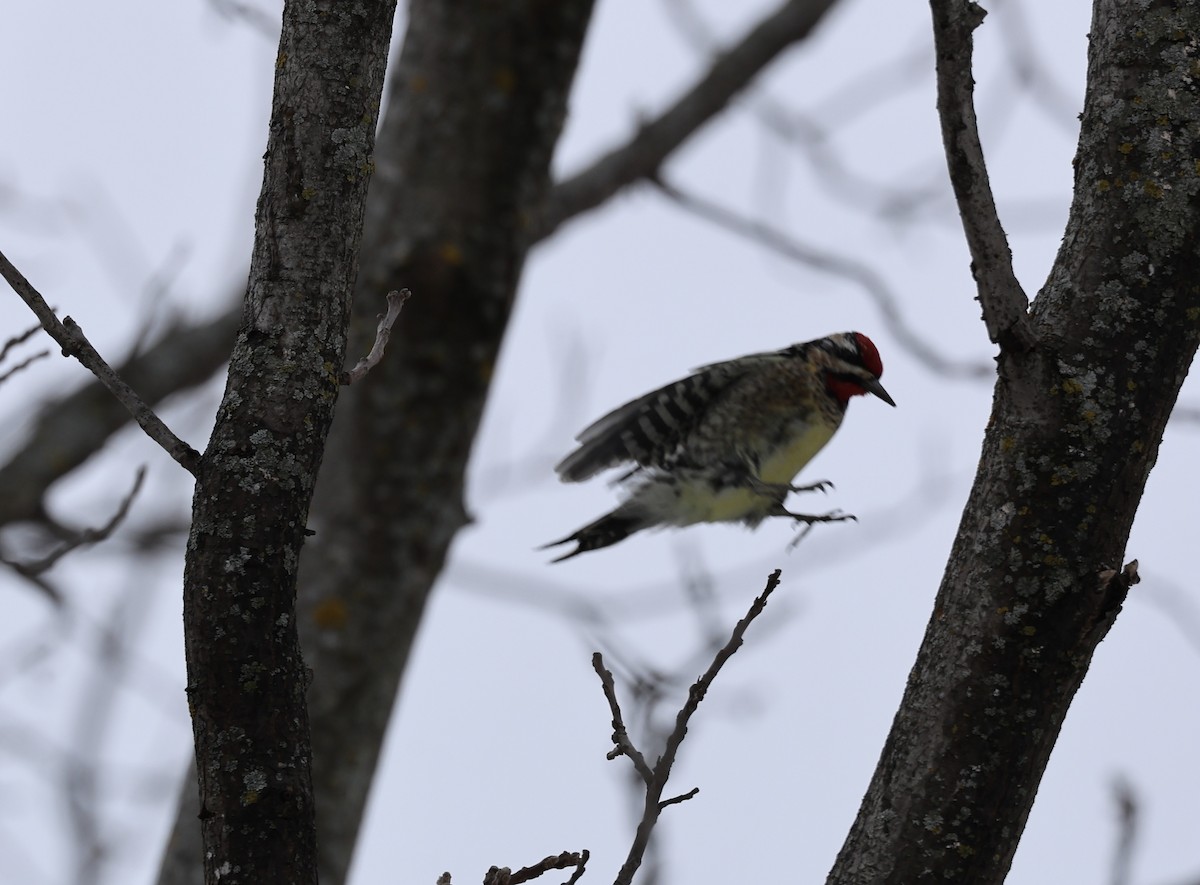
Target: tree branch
[(18, 339), (61, 438), (1034, 581), (873, 285), (656, 778), (35, 568), (622, 745), (1003, 300), (1127, 827), (24, 364), (73, 343), (643, 155), (505, 876)]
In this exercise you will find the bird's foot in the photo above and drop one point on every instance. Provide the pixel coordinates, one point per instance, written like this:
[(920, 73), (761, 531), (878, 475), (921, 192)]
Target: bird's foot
[(821, 485), (782, 489), (810, 520)]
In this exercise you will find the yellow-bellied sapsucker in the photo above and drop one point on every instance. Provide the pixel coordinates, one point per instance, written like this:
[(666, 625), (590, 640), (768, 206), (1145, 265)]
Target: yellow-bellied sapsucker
[(724, 443)]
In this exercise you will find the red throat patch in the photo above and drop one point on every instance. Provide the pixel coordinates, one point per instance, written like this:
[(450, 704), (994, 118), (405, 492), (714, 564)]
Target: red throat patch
[(844, 388)]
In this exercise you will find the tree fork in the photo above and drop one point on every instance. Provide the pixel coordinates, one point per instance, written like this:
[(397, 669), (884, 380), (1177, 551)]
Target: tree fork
[(1035, 579)]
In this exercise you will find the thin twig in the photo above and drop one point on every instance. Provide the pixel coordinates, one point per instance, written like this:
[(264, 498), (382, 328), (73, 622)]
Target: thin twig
[(622, 745), (24, 364), (18, 339), (654, 803), (32, 570), (811, 130), (580, 869), (1032, 72), (643, 155), (73, 343), (857, 272), (1003, 300), (60, 439), (682, 797), (1127, 825), (504, 876), (395, 303), (259, 21)]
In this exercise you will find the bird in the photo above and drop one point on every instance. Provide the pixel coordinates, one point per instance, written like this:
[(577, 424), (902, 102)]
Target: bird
[(725, 443)]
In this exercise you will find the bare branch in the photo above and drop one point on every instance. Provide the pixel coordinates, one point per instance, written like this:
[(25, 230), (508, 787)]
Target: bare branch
[(1127, 825), (643, 155), (873, 285), (504, 876), (34, 569), (71, 338), (622, 745), (260, 22), (1032, 72), (654, 803), (682, 797), (24, 364), (60, 439), (395, 302), (809, 131), (1003, 300), (18, 339)]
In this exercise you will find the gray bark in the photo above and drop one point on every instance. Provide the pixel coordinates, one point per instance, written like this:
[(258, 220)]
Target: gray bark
[(246, 678), (464, 162), (1035, 576)]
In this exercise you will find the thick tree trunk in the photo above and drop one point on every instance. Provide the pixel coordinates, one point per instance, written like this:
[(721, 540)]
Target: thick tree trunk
[(246, 679), (479, 98), (477, 102), (1035, 576)]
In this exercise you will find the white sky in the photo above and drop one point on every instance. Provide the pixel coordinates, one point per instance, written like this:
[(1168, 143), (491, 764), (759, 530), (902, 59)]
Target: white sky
[(133, 143)]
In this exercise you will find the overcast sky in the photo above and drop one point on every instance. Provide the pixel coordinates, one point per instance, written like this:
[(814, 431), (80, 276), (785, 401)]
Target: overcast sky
[(128, 177)]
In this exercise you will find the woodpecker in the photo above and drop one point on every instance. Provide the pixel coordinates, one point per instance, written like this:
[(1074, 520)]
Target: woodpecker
[(724, 443)]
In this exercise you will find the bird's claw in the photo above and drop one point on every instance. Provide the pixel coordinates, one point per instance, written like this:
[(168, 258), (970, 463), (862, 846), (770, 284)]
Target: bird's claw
[(821, 485), (784, 489), (811, 519)]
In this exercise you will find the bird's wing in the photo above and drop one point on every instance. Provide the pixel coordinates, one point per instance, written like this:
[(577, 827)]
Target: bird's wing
[(650, 429)]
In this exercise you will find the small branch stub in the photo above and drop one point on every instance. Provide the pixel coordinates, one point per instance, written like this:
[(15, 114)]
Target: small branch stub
[(395, 303)]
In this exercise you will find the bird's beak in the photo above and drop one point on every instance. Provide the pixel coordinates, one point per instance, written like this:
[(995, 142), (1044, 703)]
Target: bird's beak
[(873, 386)]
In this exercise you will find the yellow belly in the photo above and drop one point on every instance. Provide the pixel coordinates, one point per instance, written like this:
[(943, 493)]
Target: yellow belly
[(783, 465), (698, 503)]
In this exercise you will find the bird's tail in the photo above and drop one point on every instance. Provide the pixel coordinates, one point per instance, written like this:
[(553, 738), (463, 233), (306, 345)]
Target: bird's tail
[(604, 532)]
